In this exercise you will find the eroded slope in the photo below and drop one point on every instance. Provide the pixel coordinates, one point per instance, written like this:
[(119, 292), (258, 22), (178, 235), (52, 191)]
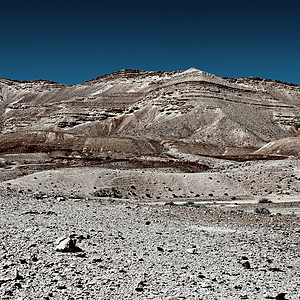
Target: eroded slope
[(185, 110)]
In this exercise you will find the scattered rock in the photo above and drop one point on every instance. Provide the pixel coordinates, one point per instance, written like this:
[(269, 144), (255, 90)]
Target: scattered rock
[(281, 296), (246, 265), (275, 270), (9, 276), (81, 254), (34, 258), (22, 261), (142, 283), (67, 245), (192, 250), (96, 260)]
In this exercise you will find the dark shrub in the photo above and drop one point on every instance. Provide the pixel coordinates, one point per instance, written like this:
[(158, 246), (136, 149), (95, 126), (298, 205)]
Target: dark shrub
[(262, 211)]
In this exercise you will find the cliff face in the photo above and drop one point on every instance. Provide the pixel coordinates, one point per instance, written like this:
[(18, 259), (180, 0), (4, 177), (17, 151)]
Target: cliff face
[(148, 113)]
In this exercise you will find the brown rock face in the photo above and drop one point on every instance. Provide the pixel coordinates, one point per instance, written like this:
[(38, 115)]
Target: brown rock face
[(282, 147), (133, 113)]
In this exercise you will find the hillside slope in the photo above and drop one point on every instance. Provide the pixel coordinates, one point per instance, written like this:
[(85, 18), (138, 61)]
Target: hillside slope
[(155, 112)]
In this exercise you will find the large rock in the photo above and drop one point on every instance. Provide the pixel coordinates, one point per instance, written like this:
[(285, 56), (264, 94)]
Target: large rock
[(67, 245)]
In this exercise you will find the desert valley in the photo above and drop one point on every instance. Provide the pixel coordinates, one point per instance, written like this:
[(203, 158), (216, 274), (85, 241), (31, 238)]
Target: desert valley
[(150, 185)]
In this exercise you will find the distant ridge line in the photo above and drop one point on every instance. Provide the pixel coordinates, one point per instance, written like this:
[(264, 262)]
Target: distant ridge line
[(136, 72)]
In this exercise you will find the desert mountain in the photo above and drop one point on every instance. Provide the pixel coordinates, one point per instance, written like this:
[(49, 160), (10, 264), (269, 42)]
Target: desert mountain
[(133, 113), (184, 174)]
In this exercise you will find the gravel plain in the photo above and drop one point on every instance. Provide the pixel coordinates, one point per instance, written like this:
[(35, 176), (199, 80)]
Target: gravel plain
[(140, 251)]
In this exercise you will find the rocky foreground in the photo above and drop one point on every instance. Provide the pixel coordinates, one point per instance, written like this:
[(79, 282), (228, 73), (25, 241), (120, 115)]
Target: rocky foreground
[(126, 250)]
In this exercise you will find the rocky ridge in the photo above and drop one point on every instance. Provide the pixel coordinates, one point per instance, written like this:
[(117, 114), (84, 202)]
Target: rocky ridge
[(183, 111)]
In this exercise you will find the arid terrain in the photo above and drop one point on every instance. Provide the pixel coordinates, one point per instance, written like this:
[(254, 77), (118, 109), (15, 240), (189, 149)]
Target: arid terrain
[(174, 185)]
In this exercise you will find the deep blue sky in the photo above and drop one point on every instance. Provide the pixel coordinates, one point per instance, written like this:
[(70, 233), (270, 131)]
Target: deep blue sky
[(71, 42)]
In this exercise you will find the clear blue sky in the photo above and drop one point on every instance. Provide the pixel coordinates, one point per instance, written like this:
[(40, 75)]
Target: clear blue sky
[(71, 42)]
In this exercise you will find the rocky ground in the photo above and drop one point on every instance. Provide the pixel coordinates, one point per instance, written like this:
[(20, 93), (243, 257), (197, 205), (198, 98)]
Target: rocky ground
[(228, 232), (142, 251)]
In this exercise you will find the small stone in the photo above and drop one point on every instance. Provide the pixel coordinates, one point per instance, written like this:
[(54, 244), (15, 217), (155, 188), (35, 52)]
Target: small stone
[(34, 258), (148, 223), (122, 271), (238, 287), (96, 260), (18, 285), (9, 276), (160, 249), (142, 283), (281, 296), (23, 261), (81, 254), (246, 265), (275, 270), (61, 287), (140, 287), (192, 250), (184, 267)]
